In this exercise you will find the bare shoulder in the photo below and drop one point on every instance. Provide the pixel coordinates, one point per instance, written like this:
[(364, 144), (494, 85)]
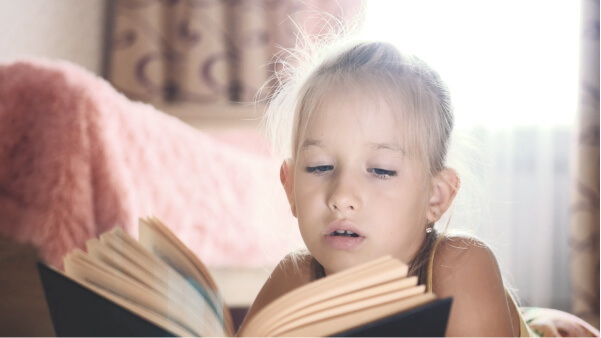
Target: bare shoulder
[(466, 269), (292, 272), (463, 254)]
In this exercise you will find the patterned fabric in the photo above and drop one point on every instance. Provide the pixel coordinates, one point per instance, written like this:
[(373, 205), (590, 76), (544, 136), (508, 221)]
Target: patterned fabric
[(205, 51), (554, 323), (584, 211)]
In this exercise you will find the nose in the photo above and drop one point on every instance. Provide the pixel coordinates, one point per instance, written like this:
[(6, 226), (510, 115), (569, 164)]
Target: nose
[(344, 195)]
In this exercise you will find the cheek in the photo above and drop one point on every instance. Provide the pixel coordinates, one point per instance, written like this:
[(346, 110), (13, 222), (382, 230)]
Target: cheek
[(308, 193), (402, 197), (402, 231), (406, 210)]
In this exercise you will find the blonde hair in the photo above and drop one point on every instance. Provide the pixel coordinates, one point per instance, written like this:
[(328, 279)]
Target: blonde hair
[(406, 83)]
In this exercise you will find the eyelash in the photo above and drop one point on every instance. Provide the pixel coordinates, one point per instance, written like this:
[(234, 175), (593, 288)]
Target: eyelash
[(380, 173), (320, 169)]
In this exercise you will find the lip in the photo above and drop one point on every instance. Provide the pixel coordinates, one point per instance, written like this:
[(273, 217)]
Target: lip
[(343, 242), (342, 225)]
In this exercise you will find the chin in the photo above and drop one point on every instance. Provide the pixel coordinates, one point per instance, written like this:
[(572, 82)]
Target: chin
[(337, 263)]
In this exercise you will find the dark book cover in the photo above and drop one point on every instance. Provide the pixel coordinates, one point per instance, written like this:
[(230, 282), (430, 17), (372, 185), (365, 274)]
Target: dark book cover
[(77, 311), (428, 320)]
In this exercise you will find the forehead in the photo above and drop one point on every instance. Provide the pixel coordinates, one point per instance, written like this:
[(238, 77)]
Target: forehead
[(357, 112)]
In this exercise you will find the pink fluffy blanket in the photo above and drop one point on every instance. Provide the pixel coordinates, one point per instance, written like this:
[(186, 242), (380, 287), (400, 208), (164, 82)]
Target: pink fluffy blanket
[(78, 158)]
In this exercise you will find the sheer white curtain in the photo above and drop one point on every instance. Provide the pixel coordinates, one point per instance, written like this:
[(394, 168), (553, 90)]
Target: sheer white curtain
[(512, 68), (527, 220)]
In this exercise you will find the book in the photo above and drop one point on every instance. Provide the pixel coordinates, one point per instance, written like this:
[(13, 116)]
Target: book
[(156, 286)]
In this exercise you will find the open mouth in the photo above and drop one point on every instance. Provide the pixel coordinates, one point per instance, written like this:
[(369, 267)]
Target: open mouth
[(344, 233)]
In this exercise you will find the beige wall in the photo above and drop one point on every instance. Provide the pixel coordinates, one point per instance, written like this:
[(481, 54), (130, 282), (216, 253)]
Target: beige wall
[(67, 29), (74, 30)]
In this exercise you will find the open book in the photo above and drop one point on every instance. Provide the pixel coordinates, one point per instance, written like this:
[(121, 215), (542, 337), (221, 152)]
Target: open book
[(157, 286)]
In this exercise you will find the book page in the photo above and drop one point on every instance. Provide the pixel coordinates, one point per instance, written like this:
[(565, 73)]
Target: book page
[(378, 271), (350, 302), (289, 302), (121, 252), (161, 242), (331, 325), (141, 311), (89, 270), (158, 239)]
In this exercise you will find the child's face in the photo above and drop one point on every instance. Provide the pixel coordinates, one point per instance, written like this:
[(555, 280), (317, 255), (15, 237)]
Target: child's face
[(353, 174)]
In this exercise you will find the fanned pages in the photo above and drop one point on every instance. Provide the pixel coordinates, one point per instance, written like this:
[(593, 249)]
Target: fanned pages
[(161, 242), (116, 269), (365, 293), (327, 288), (156, 286)]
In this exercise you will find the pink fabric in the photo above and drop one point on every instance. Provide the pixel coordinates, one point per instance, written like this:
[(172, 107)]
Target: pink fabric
[(78, 158)]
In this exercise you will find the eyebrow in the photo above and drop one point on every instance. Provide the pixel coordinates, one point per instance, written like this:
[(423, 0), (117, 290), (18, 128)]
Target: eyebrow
[(377, 146), (388, 146), (310, 143)]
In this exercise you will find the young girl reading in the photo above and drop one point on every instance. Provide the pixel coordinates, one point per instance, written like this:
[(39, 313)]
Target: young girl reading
[(366, 177)]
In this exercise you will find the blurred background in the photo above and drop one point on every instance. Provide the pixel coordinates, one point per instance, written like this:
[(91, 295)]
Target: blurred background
[(524, 77)]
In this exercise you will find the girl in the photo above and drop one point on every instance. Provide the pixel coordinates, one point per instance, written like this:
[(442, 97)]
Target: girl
[(366, 177)]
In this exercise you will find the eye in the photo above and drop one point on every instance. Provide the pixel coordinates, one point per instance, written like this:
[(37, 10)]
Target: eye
[(382, 173), (320, 169)]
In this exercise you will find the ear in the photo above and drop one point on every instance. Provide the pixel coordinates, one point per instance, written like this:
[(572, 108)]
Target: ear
[(287, 179), (444, 188)]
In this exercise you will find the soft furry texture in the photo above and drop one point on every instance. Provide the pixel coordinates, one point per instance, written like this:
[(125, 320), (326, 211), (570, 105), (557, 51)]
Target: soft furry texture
[(78, 158)]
